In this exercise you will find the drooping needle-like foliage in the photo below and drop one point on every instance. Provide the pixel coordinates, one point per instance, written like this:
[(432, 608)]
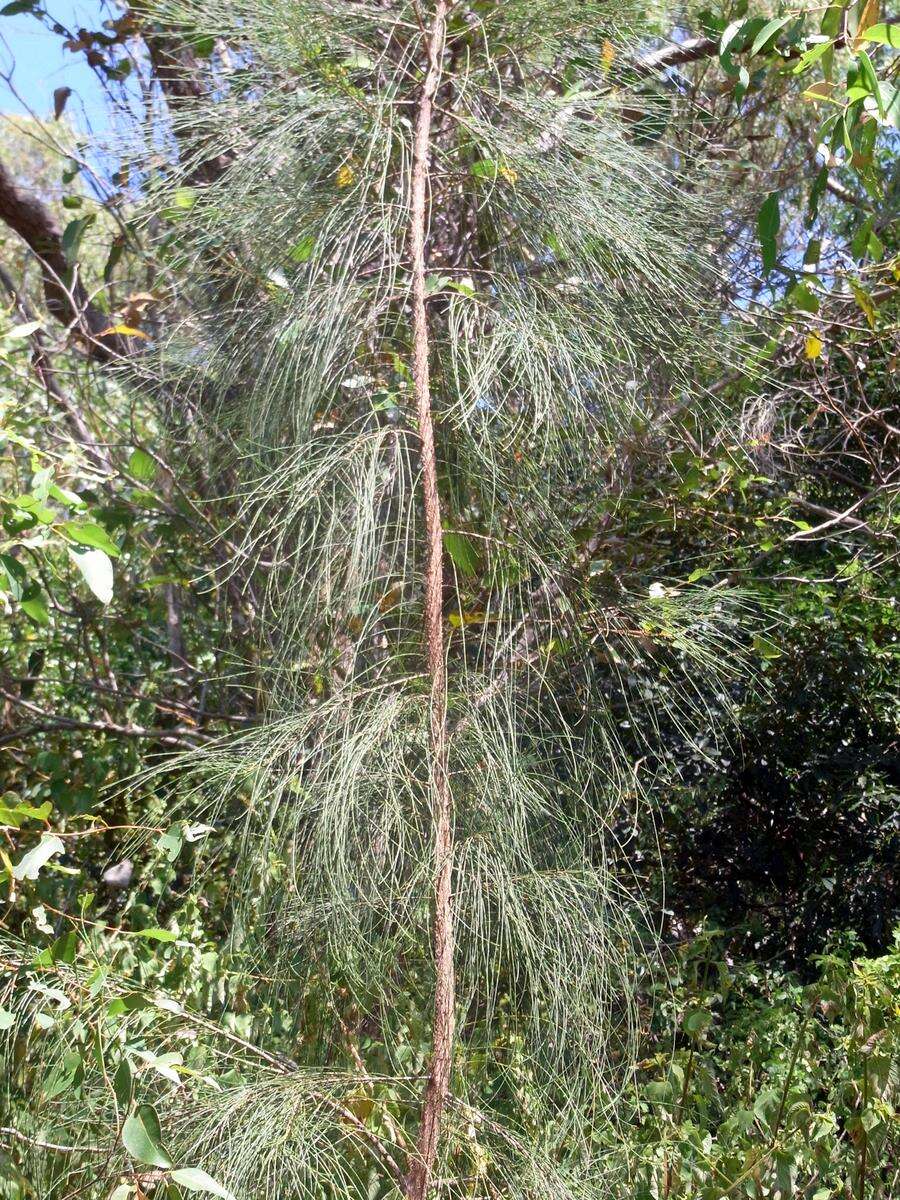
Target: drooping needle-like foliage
[(444, 275)]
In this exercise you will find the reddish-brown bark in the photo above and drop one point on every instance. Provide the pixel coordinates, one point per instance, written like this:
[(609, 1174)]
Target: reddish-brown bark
[(437, 1085)]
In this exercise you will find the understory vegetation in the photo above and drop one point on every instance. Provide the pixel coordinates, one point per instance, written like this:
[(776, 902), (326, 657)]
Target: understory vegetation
[(449, 459)]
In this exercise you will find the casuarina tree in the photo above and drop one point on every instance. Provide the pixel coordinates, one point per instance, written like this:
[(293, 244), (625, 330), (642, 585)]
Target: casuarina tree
[(437, 281)]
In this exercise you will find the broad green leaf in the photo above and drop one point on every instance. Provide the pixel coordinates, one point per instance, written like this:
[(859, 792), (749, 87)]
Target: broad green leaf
[(15, 576), (116, 251), (811, 56), (832, 20), (171, 842), (34, 606), (29, 866), (183, 200), (767, 32), (695, 1022), (768, 223), (860, 244), (487, 168), (13, 811), (196, 1180), (130, 1002), (88, 533), (868, 73), (65, 497), (885, 32), (765, 648), (97, 571), (40, 483), (730, 35), (803, 299), (64, 1077), (864, 300), (142, 1137), (64, 948), (122, 1082), (72, 235), (436, 283), (357, 60), (155, 935), (163, 1063), (35, 508)]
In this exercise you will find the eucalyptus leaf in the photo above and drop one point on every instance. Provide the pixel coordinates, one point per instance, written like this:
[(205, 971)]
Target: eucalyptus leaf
[(196, 1180), (768, 224)]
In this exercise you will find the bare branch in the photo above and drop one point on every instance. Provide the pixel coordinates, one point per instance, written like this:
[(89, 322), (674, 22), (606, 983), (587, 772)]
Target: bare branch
[(676, 54)]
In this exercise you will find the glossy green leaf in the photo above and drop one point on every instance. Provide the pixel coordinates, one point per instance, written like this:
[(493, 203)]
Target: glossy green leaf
[(196, 1180), (141, 466), (88, 533), (885, 32), (17, 6), (35, 508), (803, 299), (171, 841), (765, 647), (811, 56), (96, 570), (768, 32), (832, 20), (13, 811), (768, 224), (123, 1083), (867, 70), (34, 606), (13, 576), (64, 1077), (155, 935), (72, 235), (142, 1137), (697, 1021)]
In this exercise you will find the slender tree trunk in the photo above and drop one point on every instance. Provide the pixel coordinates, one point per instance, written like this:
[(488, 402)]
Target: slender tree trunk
[(437, 1085)]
